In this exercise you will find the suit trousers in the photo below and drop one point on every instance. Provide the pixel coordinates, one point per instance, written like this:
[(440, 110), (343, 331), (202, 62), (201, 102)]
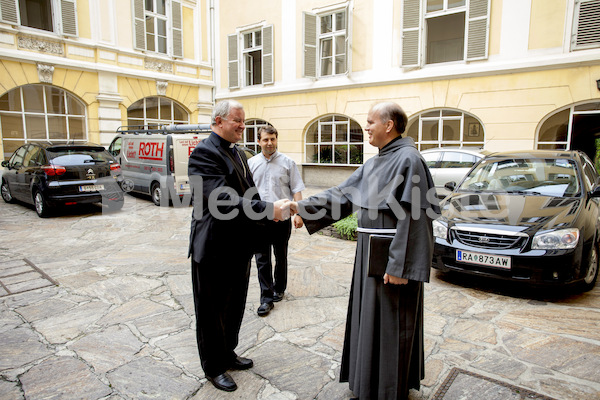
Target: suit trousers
[(277, 236), (220, 290)]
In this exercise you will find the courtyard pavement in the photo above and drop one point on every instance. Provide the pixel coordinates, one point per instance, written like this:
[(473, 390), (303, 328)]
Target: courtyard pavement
[(99, 305)]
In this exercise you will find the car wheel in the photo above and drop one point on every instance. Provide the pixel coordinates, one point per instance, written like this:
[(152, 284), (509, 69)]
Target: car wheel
[(41, 206), (6, 196), (591, 274), (156, 193)]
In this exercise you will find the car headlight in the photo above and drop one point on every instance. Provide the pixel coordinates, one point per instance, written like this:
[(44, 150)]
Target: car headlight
[(440, 230), (561, 239)]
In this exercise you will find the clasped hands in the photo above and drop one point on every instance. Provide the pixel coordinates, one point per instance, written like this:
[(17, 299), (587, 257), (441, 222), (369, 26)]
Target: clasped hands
[(283, 209)]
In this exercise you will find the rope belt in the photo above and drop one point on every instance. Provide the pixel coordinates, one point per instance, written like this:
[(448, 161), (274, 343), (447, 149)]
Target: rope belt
[(376, 231)]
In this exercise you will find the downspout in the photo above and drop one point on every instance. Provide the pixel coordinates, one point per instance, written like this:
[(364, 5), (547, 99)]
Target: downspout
[(212, 50)]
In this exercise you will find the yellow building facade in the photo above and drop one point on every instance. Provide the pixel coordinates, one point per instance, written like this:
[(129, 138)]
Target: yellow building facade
[(76, 70), (491, 74)]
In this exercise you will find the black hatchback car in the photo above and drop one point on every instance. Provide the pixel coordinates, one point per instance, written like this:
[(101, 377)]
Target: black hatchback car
[(523, 216), (51, 175)]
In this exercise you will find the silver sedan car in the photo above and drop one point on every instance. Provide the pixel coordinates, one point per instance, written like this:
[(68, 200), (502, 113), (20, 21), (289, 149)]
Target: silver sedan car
[(448, 164)]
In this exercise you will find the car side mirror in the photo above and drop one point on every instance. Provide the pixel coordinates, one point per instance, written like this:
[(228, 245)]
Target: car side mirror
[(450, 186), (595, 192), (4, 164)]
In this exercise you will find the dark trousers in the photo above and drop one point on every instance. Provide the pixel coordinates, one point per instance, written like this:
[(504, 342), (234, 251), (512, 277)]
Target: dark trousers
[(277, 236), (220, 289)]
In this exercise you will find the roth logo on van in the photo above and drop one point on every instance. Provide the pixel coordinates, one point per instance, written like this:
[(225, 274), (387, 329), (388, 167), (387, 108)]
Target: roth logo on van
[(151, 150)]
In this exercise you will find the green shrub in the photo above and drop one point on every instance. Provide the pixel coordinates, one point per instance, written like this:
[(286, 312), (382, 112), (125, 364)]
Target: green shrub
[(347, 227)]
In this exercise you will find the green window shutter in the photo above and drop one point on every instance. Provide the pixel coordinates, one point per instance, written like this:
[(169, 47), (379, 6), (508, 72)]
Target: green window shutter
[(9, 12), (177, 29), (267, 54), (587, 22), (309, 44), (139, 25), (233, 61), (68, 15), (478, 29), (411, 33)]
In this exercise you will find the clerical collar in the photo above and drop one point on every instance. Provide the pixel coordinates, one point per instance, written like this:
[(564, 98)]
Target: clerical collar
[(224, 142), (390, 144)]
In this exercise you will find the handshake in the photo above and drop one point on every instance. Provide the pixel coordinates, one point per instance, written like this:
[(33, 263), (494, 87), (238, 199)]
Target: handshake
[(283, 209)]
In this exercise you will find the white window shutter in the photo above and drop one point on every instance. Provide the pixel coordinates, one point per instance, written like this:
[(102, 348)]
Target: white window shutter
[(233, 61), (9, 12), (267, 54), (411, 33), (139, 25), (309, 44), (177, 29), (478, 29), (587, 22), (68, 17)]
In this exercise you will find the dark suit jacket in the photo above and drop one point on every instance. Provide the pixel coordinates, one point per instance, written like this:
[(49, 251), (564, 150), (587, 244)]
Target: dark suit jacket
[(223, 179)]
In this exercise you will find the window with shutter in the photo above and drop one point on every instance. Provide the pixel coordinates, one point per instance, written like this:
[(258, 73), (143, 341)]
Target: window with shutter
[(177, 29), (309, 24), (232, 61), (68, 13), (139, 30), (267, 56), (586, 27), (9, 12), (411, 32), (453, 30)]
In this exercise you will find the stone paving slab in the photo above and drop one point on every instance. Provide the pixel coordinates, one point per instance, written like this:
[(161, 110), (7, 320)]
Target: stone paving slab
[(120, 323)]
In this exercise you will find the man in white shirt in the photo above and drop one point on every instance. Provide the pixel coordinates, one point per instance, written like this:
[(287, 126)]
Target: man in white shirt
[(277, 177)]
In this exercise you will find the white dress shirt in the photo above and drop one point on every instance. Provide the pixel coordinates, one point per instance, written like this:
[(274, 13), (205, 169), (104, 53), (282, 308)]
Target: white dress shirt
[(276, 178)]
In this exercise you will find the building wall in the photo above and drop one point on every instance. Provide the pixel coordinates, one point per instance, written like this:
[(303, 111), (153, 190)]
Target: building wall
[(102, 67), (530, 71)]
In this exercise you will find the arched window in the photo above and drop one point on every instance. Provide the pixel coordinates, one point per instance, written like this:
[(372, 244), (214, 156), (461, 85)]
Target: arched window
[(250, 139), (573, 128), (156, 111), (40, 113), (446, 127), (334, 139)]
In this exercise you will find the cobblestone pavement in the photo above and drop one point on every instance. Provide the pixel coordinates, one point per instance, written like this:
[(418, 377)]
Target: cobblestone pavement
[(99, 306)]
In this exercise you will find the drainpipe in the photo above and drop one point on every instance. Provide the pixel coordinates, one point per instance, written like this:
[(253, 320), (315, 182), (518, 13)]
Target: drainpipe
[(212, 50)]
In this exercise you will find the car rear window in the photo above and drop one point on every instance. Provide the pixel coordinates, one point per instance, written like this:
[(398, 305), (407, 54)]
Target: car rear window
[(78, 156)]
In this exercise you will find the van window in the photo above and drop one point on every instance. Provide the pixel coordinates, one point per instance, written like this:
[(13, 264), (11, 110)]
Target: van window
[(115, 147)]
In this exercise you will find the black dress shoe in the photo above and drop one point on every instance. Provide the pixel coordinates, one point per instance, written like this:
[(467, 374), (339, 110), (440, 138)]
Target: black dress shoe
[(277, 296), (242, 363), (264, 309), (223, 382)]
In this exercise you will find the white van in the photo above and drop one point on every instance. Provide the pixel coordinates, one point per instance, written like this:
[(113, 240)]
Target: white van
[(154, 160)]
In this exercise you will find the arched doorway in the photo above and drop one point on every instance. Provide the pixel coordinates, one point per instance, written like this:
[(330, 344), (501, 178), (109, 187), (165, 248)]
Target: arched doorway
[(576, 127)]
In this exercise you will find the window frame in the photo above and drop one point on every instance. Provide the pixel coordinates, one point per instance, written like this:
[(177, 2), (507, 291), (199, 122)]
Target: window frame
[(236, 53), (413, 49), (156, 17), (577, 23), (312, 41), (148, 121), (336, 120), (63, 14), (426, 116), (47, 115), (174, 27)]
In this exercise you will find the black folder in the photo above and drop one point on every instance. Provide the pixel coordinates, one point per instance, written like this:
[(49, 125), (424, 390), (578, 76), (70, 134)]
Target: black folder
[(379, 250)]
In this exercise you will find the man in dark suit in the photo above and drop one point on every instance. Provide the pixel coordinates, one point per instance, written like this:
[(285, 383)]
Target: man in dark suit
[(225, 226)]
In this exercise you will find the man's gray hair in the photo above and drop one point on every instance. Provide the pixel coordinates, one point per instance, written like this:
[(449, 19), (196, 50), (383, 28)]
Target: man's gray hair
[(223, 108), (390, 111)]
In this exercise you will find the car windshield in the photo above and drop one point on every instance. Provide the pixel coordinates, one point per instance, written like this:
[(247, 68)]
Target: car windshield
[(78, 156), (531, 176)]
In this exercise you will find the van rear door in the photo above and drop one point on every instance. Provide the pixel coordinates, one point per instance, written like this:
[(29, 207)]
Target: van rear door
[(183, 145)]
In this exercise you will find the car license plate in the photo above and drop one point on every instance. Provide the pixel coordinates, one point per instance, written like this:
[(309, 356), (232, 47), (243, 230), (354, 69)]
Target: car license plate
[(483, 259), (184, 187), (91, 188)]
